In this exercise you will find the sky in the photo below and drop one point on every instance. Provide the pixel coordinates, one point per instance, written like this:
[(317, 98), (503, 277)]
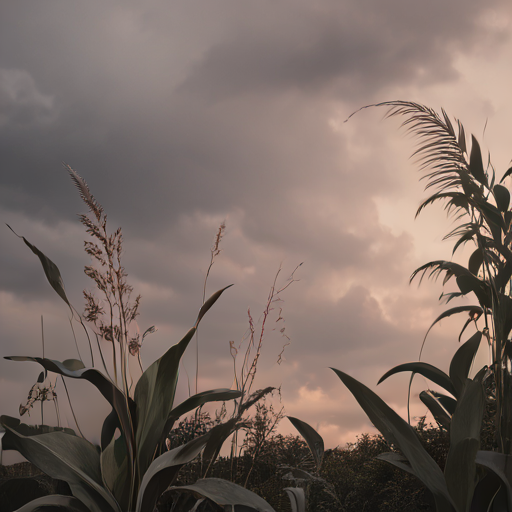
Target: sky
[(181, 115)]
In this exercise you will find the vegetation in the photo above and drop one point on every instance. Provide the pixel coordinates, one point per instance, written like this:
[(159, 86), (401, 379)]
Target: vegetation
[(462, 462)]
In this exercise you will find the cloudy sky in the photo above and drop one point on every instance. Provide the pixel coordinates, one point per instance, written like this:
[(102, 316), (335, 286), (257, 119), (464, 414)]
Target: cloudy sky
[(184, 114)]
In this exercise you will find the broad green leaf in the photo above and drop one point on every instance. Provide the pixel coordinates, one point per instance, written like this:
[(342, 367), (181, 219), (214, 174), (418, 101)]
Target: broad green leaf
[(154, 397), (69, 458), (226, 494), (115, 471), (163, 470), (75, 369), (398, 432), (312, 437), (502, 196), (460, 469), (427, 370), (446, 401), (501, 465), (437, 410), (297, 498), (53, 503), (462, 361), (476, 167), (50, 269), (155, 391)]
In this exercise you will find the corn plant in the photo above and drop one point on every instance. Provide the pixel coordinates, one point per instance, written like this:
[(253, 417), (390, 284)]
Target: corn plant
[(131, 468), (472, 479)]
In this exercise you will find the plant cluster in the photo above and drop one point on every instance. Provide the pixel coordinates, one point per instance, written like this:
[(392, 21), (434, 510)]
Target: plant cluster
[(464, 462)]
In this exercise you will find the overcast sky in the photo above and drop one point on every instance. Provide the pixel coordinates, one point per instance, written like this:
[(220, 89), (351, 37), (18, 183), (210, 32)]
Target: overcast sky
[(184, 114)]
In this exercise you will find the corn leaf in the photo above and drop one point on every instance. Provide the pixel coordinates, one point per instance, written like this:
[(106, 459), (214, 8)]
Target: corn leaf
[(476, 167), (502, 196), (313, 439), (437, 410), (398, 432), (396, 460), (213, 395), (53, 503), (297, 498), (462, 361), (227, 494), (115, 471), (69, 458), (164, 469), (427, 370), (501, 465), (460, 468), (155, 391), (50, 269), (75, 369)]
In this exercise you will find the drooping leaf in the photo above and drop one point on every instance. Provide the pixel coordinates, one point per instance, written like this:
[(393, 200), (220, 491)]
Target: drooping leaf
[(435, 407), (163, 470), (69, 458), (54, 503), (462, 361), (427, 370), (31, 430), (312, 438), (398, 432), (476, 167), (446, 401), (485, 493), (297, 498), (460, 468), (75, 369), (502, 196), (227, 494), (51, 270)]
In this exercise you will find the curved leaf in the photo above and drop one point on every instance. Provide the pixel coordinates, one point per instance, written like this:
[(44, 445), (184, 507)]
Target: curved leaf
[(191, 403), (427, 370), (398, 432), (502, 196), (297, 498), (115, 471), (437, 410), (501, 465), (476, 167), (312, 437), (226, 494), (396, 460), (154, 397), (462, 361), (209, 303), (163, 470), (69, 458), (155, 391), (53, 503), (50, 269), (475, 261), (75, 369)]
